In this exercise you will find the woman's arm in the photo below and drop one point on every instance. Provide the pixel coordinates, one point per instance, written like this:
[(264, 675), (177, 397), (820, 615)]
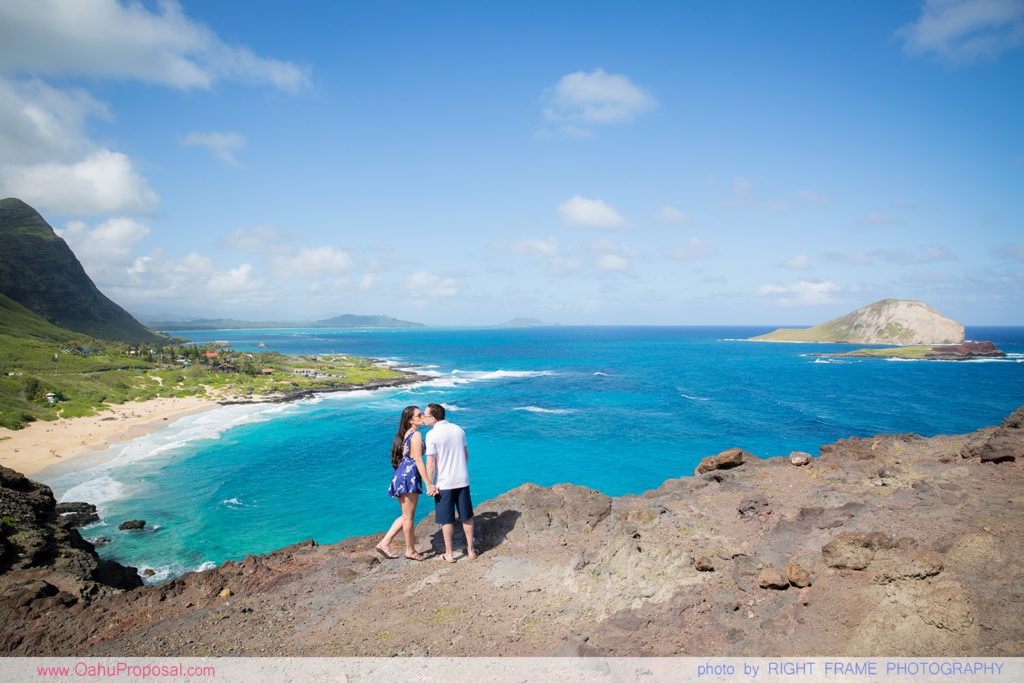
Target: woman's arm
[(416, 453)]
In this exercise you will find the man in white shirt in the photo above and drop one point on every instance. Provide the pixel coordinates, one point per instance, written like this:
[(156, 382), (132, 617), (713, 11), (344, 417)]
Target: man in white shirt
[(447, 451)]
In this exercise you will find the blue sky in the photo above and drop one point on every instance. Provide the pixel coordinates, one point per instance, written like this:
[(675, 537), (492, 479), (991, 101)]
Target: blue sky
[(465, 163)]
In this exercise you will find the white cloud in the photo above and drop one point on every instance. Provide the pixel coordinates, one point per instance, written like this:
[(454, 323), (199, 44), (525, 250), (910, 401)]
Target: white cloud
[(39, 123), (260, 238), (694, 249), (223, 145), (234, 280), (801, 293), (533, 245), (107, 247), (671, 214), (797, 262), (613, 257), (582, 100), (47, 160), (368, 281), (111, 39), (926, 254), (46, 155), (593, 213), (311, 262), (104, 182), (426, 285), (965, 30), (613, 263)]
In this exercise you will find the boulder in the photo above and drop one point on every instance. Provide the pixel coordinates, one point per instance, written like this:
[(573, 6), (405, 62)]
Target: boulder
[(133, 525), (703, 563), (723, 461), (1004, 444), (851, 550), (799, 458), (773, 579), (797, 575), (77, 514)]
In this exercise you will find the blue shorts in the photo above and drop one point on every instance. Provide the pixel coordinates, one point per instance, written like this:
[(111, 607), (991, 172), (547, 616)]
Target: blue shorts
[(449, 500)]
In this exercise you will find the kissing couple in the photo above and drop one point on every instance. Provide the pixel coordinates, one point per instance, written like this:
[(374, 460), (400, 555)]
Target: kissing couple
[(446, 464)]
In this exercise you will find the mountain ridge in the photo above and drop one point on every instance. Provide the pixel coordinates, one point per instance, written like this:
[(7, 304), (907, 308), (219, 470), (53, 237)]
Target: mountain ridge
[(40, 272), (171, 324)]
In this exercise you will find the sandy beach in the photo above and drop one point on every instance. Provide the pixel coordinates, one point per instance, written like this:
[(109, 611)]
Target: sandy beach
[(41, 444)]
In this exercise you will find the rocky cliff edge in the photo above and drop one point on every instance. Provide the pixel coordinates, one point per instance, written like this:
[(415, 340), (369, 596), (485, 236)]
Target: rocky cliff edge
[(896, 545)]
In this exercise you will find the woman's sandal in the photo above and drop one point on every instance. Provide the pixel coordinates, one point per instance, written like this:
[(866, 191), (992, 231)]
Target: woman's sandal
[(385, 553), (415, 556), (446, 558)]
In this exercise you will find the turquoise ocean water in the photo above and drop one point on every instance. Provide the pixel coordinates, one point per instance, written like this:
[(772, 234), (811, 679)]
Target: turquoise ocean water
[(615, 409)]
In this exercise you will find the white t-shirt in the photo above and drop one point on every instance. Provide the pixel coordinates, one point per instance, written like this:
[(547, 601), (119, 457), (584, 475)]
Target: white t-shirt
[(447, 443)]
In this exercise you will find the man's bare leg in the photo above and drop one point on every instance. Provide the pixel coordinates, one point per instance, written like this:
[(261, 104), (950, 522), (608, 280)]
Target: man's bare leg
[(448, 531)]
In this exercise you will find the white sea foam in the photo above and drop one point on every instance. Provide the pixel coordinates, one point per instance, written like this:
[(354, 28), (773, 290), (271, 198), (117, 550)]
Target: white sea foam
[(548, 411), (600, 374), (461, 377), (169, 571), (97, 491), (694, 398), (95, 477)]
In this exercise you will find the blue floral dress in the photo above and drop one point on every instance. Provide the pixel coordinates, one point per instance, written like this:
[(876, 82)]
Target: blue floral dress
[(407, 475)]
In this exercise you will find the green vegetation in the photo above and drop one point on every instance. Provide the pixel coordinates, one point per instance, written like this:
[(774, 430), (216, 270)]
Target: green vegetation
[(905, 352), (82, 375)]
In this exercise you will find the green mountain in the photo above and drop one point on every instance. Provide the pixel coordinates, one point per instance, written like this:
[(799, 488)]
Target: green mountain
[(890, 321), (16, 321), (39, 271)]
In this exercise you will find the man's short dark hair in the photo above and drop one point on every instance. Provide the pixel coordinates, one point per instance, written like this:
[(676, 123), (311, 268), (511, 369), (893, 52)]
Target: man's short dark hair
[(436, 411)]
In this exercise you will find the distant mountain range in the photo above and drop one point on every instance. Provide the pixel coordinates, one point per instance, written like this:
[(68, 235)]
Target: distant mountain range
[(891, 321), (40, 273), (175, 323)]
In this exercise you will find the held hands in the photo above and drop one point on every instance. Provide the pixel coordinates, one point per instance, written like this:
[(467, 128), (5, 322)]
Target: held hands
[(432, 490)]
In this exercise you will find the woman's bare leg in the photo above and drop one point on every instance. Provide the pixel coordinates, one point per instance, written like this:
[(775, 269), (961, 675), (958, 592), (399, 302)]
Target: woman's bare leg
[(408, 502)]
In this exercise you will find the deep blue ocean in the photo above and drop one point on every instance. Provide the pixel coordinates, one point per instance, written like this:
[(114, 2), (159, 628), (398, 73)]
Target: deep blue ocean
[(617, 409)]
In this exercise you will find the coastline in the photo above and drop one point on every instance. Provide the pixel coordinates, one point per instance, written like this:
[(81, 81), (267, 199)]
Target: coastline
[(42, 444)]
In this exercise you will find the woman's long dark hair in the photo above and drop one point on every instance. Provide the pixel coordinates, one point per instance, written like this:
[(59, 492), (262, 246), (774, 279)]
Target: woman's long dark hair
[(398, 444)]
